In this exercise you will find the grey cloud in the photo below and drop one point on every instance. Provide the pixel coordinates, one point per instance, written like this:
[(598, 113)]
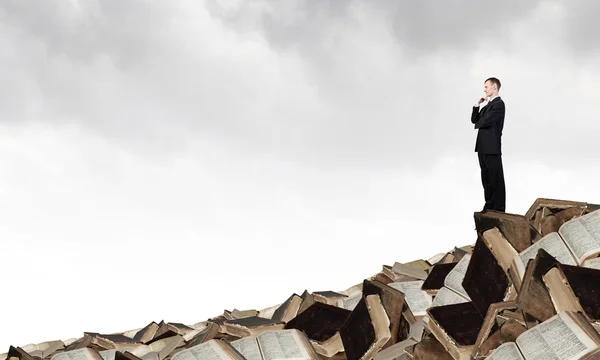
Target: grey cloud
[(121, 70), (126, 31), (420, 26), (157, 103), (579, 22), (142, 76), (454, 25)]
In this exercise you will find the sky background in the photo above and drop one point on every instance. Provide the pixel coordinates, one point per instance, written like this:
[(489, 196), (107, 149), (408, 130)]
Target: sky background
[(169, 160)]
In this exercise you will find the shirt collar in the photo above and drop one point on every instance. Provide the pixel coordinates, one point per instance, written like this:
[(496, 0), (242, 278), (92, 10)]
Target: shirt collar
[(493, 98)]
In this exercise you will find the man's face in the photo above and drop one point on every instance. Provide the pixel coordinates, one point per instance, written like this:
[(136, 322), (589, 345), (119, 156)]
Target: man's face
[(488, 88)]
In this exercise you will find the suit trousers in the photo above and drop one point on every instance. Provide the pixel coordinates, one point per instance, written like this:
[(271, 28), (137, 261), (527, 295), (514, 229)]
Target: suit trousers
[(492, 179)]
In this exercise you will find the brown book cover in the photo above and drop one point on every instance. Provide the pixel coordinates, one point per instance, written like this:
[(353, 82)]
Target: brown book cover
[(358, 334), (515, 228), (280, 313), (307, 300), (250, 326), (85, 341), (320, 321), (585, 284), (485, 281), (490, 326), (430, 349), (394, 305), (533, 297), (114, 338), (462, 322), (126, 355), (209, 333), (146, 333), (436, 277), (363, 333), (17, 352)]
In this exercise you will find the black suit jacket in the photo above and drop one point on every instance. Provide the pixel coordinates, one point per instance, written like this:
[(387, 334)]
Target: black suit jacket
[(490, 122)]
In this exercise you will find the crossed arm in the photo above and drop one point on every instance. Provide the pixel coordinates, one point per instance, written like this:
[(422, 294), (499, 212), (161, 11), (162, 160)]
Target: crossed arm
[(490, 117)]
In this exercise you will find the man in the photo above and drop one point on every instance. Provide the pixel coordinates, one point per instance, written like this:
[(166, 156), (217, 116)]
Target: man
[(489, 119)]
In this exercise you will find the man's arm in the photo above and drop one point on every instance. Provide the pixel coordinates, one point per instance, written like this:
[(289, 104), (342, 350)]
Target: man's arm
[(476, 108), (475, 114), (491, 117)]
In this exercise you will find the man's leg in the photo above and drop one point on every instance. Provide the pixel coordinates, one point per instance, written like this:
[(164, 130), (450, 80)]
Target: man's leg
[(496, 173), (485, 181)]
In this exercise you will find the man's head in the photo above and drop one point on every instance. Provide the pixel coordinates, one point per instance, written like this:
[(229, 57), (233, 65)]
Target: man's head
[(491, 87)]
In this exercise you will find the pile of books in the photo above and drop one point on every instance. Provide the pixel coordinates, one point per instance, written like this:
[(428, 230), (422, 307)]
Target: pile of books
[(528, 288)]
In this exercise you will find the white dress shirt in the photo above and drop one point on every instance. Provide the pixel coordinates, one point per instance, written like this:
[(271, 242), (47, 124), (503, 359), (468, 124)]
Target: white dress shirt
[(484, 104)]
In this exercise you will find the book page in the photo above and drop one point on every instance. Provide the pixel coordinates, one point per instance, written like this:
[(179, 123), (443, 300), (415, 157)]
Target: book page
[(416, 330), (554, 245), (582, 235), (556, 338), (140, 350), (79, 354), (506, 351), (284, 344), (29, 348), (165, 346), (349, 303), (396, 351), (108, 354), (408, 270), (592, 263), (455, 277), (436, 258), (209, 350), (446, 296), (248, 347), (518, 268), (43, 349), (152, 355), (418, 300)]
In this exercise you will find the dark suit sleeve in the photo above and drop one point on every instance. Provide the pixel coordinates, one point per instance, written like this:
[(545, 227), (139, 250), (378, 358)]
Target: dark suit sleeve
[(475, 114), (491, 117)]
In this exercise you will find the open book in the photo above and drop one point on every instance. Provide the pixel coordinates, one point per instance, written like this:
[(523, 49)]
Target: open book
[(394, 306), (592, 263), (271, 345), (574, 288), (366, 330), (565, 336), (210, 350), (79, 354), (321, 323), (456, 326), (437, 275), (42, 350), (418, 301), (447, 297), (453, 292), (16, 353), (577, 241), (158, 349)]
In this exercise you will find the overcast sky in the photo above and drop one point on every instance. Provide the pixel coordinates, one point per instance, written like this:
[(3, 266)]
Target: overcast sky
[(169, 160)]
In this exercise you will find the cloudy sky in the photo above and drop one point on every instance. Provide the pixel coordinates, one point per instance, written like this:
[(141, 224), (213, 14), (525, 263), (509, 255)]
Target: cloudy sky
[(169, 160)]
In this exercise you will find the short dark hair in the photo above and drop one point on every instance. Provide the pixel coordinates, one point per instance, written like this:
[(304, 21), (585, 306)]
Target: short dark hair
[(494, 80)]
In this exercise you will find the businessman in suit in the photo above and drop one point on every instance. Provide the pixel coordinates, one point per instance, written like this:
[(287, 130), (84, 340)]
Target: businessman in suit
[(489, 120)]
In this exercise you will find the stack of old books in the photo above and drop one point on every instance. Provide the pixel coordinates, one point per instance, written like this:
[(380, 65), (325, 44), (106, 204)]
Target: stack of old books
[(528, 288)]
